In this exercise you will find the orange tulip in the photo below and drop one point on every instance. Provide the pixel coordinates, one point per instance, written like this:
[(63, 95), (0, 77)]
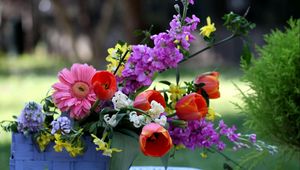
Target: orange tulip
[(104, 84), (191, 107), (155, 140), (211, 84), (143, 100)]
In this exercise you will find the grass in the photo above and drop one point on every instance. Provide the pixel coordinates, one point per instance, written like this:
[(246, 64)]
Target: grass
[(17, 89)]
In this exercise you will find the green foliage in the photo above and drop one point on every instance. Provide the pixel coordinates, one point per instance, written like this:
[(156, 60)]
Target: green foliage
[(273, 102), (129, 146), (237, 24)]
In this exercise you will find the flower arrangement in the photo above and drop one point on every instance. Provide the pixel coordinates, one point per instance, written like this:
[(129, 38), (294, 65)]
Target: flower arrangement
[(117, 105)]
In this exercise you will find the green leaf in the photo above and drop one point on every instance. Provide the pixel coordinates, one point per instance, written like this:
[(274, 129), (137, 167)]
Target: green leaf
[(246, 57), (130, 149), (237, 24), (120, 116), (177, 76), (165, 82), (93, 128), (166, 97), (206, 97), (129, 133)]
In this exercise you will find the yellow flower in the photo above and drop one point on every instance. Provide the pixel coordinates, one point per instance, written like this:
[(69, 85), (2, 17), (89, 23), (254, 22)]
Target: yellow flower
[(114, 57), (104, 146), (176, 92), (212, 114), (99, 142), (208, 29), (43, 140), (179, 147), (59, 145), (203, 155), (169, 110), (74, 151), (109, 151)]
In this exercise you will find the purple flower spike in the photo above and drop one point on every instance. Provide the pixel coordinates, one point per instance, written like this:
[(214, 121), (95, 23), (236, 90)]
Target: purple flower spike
[(31, 118)]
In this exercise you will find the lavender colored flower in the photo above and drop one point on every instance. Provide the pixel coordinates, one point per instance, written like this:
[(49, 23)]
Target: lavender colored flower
[(228, 132), (31, 118), (182, 34), (198, 133), (145, 61), (62, 124), (221, 145), (252, 138), (191, 2), (137, 72)]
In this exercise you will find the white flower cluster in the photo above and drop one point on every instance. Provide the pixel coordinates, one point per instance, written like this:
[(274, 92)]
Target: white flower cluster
[(162, 120), (154, 114), (156, 109), (120, 100), (138, 120), (112, 121)]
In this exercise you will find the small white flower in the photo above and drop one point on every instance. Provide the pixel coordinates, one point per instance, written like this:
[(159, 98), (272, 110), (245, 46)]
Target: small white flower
[(138, 120), (162, 120), (156, 109), (111, 120), (120, 100)]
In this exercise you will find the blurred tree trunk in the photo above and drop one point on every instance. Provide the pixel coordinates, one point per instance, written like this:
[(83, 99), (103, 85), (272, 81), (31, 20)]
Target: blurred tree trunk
[(65, 22)]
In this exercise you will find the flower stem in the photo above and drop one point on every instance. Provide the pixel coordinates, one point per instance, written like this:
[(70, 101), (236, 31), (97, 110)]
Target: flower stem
[(226, 157), (121, 61), (208, 47), (95, 105), (185, 8), (138, 110)]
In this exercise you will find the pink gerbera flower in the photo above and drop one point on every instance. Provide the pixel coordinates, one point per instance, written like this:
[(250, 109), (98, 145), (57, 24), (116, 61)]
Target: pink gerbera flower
[(74, 93)]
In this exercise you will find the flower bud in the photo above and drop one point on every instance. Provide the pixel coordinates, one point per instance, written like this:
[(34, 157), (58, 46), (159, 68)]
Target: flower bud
[(144, 99), (191, 107), (104, 84), (211, 84)]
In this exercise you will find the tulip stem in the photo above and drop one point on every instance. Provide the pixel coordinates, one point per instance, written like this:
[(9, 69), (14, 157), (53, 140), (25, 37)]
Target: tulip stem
[(95, 105), (138, 110), (208, 47)]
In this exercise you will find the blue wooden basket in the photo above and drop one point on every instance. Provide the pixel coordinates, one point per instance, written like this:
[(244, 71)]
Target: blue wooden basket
[(26, 156)]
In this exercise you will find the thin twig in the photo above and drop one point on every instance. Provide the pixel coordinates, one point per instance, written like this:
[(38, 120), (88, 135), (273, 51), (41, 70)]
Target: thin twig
[(208, 47), (226, 157), (121, 61)]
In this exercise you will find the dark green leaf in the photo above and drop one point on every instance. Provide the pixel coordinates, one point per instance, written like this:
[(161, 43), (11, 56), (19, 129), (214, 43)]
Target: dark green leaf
[(177, 76), (130, 149), (129, 133), (227, 167), (166, 97), (246, 56), (165, 82), (205, 95)]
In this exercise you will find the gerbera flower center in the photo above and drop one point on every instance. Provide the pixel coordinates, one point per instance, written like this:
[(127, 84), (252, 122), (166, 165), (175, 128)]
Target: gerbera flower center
[(80, 89)]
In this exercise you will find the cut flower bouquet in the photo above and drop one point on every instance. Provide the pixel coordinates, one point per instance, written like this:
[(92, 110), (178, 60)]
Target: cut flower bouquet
[(120, 110)]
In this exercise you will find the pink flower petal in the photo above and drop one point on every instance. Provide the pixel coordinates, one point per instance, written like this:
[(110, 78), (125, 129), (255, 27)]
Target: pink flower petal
[(66, 77)]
